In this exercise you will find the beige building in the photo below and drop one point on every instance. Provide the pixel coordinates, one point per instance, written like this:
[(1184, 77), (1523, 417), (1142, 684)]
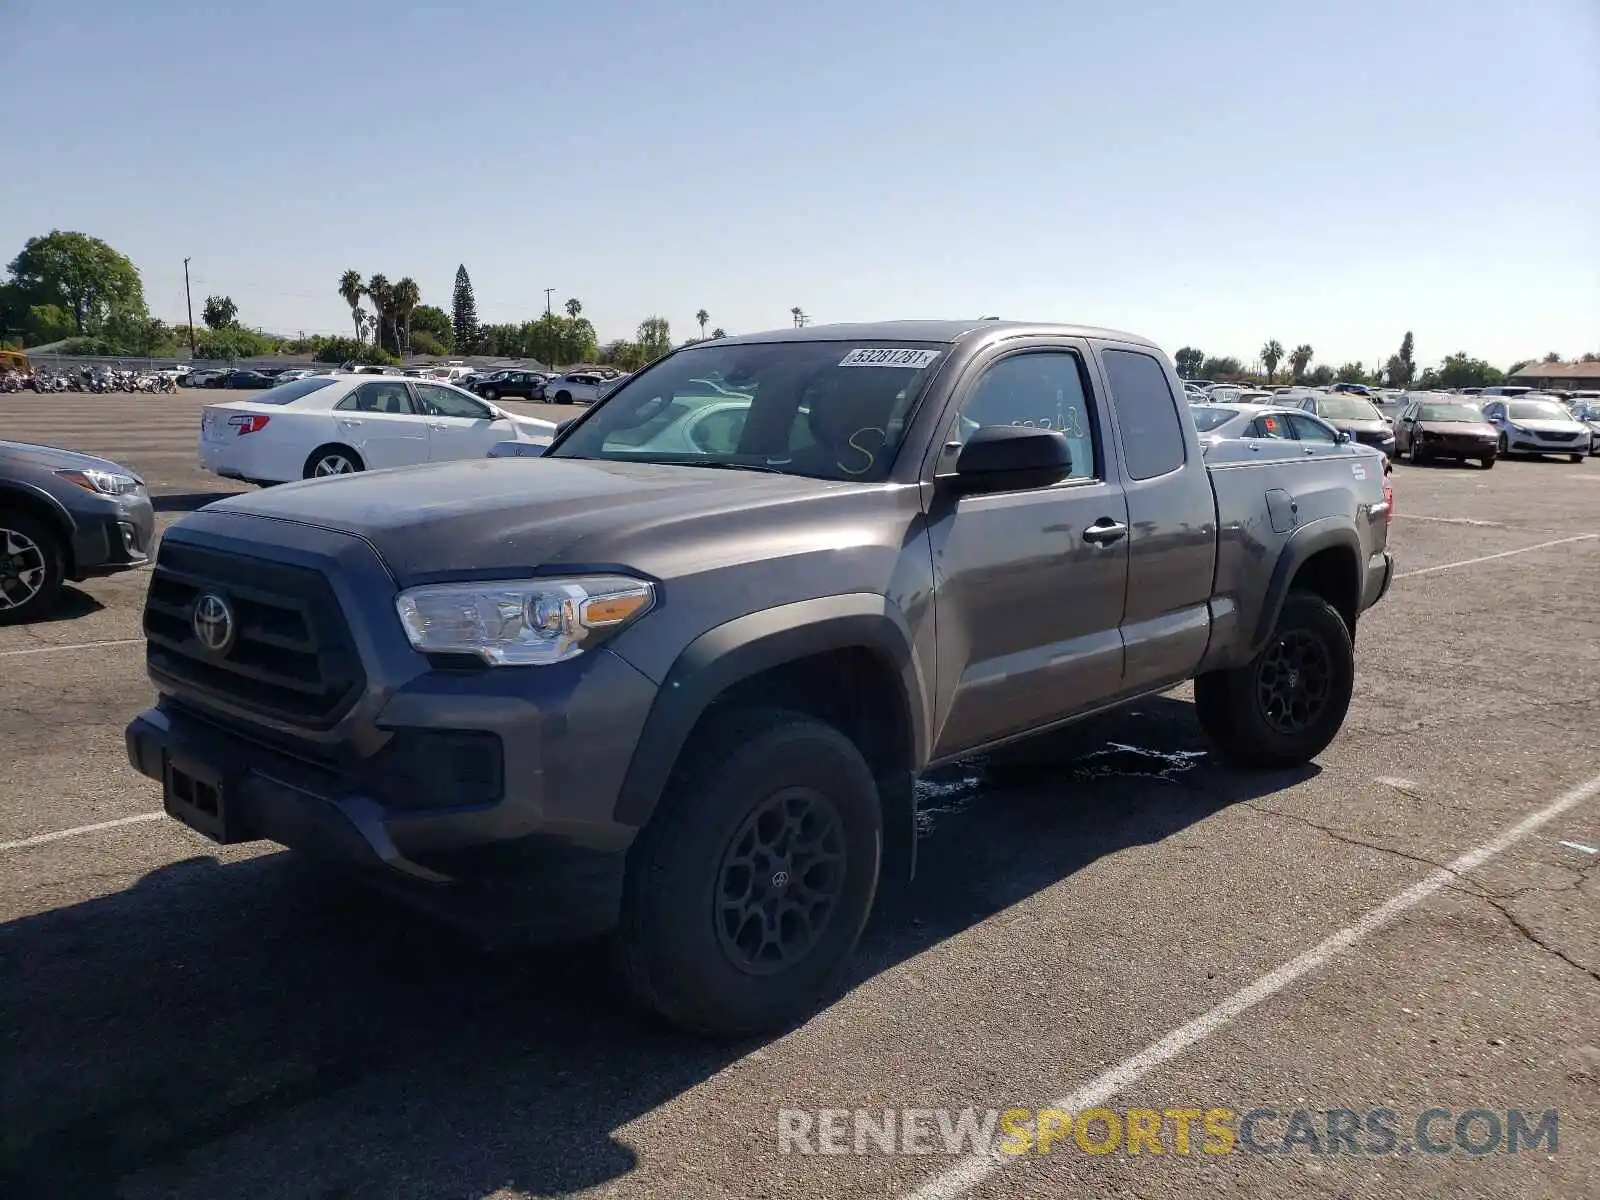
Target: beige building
[(1559, 377)]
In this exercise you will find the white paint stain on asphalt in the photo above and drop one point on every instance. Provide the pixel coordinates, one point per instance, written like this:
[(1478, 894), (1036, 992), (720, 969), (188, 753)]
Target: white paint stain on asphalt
[(71, 646), (1398, 784), (1581, 846), (81, 830), (1467, 562), (1450, 520), (976, 1168)]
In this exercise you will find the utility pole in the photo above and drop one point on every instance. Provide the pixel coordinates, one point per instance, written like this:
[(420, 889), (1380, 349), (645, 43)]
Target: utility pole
[(188, 301), (547, 292)]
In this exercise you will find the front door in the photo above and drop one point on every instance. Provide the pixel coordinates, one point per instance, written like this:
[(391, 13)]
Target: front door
[(1030, 584), (458, 425)]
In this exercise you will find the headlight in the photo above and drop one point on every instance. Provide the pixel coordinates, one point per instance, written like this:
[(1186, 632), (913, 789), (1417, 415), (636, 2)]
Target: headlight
[(104, 483), (522, 622)]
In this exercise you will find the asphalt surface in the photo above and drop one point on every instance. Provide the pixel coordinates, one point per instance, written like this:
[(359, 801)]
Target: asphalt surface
[(184, 1020)]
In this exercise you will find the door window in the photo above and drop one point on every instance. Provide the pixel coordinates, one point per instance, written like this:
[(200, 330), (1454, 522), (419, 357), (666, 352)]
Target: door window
[(1309, 430), (1147, 414), (446, 402), (1270, 425), (1039, 389), (388, 398)]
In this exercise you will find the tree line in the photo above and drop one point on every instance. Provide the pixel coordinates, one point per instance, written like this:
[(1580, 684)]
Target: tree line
[(66, 286)]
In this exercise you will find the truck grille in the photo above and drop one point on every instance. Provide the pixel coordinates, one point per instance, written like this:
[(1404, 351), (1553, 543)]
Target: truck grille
[(291, 656)]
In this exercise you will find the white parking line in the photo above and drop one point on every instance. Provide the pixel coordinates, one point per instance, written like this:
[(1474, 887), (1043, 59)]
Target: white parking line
[(71, 646), (80, 830), (976, 1168), (1467, 562)]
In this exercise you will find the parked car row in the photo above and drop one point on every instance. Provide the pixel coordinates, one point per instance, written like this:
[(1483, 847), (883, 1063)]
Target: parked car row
[(573, 387)]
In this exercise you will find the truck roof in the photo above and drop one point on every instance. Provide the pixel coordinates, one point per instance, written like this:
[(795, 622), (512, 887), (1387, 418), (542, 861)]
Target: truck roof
[(928, 331)]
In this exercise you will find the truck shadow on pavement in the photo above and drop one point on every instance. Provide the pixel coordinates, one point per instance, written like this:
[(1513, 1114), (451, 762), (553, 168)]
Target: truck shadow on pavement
[(257, 1028)]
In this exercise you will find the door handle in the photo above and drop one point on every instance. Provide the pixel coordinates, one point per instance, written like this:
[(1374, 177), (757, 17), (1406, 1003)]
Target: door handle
[(1105, 531), (439, 425), (349, 422)]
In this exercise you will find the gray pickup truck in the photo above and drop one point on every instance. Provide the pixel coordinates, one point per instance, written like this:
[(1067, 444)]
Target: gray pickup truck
[(674, 680)]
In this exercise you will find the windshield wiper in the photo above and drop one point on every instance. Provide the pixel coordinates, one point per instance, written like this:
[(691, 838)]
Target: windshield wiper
[(724, 465)]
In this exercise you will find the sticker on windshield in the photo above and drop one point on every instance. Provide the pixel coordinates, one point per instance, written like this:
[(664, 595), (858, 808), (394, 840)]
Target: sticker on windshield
[(1358, 471), (914, 360)]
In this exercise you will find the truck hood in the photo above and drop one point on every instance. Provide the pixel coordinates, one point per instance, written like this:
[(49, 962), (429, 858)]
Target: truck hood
[(53, 458), (498, 516)]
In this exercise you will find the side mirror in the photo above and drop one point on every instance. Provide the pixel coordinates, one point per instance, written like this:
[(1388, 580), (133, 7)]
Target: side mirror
[(561, 426), (1341, 436), (1011, 458)]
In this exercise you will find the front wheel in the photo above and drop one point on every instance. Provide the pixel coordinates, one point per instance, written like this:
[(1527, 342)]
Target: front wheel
[(1505, 447), (332, 460), (1287, 704), (747, 890), (31, 567), (1486, 462), (1577, 458), (563, 397)]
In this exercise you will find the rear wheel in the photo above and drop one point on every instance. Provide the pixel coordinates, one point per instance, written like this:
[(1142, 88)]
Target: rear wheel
[(1418, 454), (490, 395), (332, 460), (563, 397), (31, 567), (747, 890), (1505, 447), (1287, 704)]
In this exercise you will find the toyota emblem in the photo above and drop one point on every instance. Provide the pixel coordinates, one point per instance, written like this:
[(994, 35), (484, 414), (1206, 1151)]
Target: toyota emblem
[(780, 880), (213, 623)]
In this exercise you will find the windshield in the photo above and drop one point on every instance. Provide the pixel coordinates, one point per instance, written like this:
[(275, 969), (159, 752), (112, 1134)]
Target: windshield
[(288, 393), (1448, 412), (1206, 418), (1348, 408), (1537, 410), (830, 410)]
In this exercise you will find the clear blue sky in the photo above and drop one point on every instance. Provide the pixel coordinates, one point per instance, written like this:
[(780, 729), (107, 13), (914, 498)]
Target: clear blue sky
[(1206, 173)]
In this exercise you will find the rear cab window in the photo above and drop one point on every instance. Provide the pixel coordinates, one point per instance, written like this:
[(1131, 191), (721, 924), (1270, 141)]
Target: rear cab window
[(1147, 413)]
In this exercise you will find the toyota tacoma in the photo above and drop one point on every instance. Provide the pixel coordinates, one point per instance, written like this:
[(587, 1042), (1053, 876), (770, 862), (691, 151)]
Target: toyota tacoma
[(673, 680)]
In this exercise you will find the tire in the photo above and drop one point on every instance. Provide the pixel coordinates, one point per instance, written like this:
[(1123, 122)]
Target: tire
[(674, 947), (1487, 461), (563, 397), (1231, 707), (32, 565), (1505, 446), (490, 395), (1577, 458), (319, 463), (1418, 457)]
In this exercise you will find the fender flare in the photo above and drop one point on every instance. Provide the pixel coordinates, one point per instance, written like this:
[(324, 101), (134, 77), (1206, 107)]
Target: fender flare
[(744, 647), (1302, 544)]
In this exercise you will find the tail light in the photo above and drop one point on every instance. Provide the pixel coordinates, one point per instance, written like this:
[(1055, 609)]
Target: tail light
[(249, 423)]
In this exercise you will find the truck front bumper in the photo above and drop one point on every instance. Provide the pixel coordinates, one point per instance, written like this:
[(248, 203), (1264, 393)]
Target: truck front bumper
[(472, 808)]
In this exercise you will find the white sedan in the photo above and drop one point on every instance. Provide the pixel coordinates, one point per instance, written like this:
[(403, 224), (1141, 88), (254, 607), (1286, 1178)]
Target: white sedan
[(338, 424)]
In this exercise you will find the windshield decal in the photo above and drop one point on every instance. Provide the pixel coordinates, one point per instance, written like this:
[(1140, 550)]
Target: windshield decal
[(912, 359)]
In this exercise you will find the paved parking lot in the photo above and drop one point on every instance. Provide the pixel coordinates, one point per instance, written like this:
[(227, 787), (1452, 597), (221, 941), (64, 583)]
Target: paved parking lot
[(1106, 918)]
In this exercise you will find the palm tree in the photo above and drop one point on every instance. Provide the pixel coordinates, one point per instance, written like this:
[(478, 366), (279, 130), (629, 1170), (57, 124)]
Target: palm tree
[(574, 307), (796, 312), (407, 295), (350, 287), (1300, 360), (381, 292), (702, 317), (1272, 355)]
